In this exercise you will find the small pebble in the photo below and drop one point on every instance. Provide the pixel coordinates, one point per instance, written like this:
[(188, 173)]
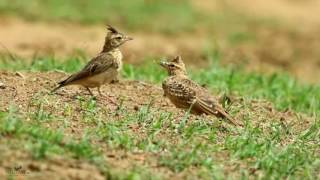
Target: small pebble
[(2, 86), (20, 75)]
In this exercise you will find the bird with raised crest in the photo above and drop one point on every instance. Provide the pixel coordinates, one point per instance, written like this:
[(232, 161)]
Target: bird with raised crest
[(186, 94), (102, 69)]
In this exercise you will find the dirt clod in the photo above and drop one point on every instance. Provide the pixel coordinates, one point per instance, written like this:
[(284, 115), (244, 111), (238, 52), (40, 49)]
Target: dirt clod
[(20, 75), (2, 86)]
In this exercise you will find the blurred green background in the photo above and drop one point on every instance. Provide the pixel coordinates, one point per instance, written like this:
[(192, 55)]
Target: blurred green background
[(257, 36)]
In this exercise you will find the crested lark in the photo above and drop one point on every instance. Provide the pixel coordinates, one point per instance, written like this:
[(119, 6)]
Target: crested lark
[(184, 93), (103, 68)]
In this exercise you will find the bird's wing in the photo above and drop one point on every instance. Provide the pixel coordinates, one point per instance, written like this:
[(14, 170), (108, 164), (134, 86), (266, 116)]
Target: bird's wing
[(180, 91), (198, 90), (97, 65), (206, 103), (209, 107)]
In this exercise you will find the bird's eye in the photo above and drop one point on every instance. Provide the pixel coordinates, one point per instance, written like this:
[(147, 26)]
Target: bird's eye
[(118, 38), (171, 65)]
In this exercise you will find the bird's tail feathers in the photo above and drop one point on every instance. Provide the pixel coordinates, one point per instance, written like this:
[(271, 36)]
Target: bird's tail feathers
[(55, 89), (215, 110), (61, 84)]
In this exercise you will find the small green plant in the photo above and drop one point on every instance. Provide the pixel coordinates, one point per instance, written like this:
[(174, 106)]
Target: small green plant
[(10, 122), (179, 159), (82, 149), (275, 160)]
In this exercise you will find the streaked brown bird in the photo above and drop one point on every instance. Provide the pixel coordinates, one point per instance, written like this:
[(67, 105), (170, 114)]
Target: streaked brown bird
[(102, 69), (184, 93)]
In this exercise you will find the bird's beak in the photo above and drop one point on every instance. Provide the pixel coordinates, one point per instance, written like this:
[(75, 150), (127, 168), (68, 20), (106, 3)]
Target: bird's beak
[(163, 64), (127, 38)]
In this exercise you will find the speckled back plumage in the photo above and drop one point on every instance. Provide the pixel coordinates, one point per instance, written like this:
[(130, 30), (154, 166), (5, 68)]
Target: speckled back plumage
[(184, 93)]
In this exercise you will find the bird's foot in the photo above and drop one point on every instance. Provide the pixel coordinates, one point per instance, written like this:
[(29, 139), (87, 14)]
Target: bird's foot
[(115, 81), (109, 98)]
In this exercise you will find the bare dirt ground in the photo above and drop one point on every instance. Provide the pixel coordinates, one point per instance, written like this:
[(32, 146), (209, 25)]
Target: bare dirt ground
[(21, 91)]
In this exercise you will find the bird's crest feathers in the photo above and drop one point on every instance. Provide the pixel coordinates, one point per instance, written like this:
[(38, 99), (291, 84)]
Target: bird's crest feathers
[(111, 29), (177, 60)]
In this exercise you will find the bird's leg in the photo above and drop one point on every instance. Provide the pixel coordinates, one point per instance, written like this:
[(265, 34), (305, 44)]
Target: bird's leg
[(89, 91), (99, 91), (106, 96), (114, 81)]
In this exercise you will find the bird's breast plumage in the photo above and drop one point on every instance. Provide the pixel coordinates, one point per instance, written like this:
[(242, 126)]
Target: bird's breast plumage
[(112, 73), (117, 58)]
